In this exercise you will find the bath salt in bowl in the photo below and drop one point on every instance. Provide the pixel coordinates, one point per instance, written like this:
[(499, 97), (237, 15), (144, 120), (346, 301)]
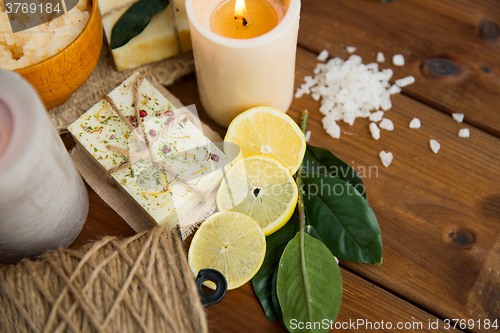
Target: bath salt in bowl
[(56, 57)]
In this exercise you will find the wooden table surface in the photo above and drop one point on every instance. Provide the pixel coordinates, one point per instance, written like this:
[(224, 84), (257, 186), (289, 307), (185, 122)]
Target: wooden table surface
[(439, 213)]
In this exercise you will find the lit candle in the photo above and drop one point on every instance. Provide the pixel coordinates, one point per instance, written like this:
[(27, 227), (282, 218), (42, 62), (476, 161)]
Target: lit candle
[(43, 201), (244, 57)]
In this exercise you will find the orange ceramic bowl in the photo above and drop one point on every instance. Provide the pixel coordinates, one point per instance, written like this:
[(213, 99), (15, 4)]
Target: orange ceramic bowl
[(58, 77)]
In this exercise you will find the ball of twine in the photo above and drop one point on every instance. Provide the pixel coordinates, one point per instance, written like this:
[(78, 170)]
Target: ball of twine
[(139, 284)]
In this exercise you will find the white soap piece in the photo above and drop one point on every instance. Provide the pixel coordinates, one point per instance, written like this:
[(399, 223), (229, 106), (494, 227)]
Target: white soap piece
[(386, 104), (351, 49), (331, 127), (157, 41), (323, 55), (184, 151), (386, 124), (405, 81), (380, 57), (435, 146), (415, 123), (464, 133), (375, 131), (394, 89), (385, 158), (377, 116), (308, 135), (398, 60), (459, 117)]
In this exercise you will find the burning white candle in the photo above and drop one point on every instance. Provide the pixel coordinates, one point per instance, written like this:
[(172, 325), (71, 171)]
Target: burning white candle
[(235, 74), (43, 201)]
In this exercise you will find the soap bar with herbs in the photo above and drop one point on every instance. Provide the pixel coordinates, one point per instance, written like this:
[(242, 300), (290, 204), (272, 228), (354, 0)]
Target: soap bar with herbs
[(169, 178), (157, 41)]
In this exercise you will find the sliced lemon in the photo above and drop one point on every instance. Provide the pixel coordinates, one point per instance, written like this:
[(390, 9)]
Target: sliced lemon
[(265, 130), (260, 187), (231, 243)]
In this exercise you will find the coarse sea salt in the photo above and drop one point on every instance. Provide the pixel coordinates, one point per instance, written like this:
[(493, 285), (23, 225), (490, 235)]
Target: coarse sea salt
[(349, 89), (375, 131), (380, 57), (386, 124), (351, 49), (459, 117), (385, 158), (405, 81), (398, 60), (415, 123), (323, 55), (464, 133), (435, 146)]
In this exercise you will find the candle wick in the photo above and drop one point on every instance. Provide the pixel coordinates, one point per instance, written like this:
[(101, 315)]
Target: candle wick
[(245, 23)]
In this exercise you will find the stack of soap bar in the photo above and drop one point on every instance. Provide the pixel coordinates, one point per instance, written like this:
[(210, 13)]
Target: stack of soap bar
[(187, 165), (156, 42)]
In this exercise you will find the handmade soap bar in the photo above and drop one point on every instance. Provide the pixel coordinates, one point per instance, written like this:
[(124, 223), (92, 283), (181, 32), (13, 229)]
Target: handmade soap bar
[(174, 174), (156, 42)]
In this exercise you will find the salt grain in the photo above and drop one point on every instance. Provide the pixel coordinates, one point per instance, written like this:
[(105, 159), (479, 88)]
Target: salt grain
[(375, 131), (351, 49), (386, 124), (376, 116), (435, 146), (323, 55), (464, 133), (380, 57), (405, 81), (459, 117), (308, 135), (331, 127), (398, 60), (385, 158), (415, 123), (394, 89)]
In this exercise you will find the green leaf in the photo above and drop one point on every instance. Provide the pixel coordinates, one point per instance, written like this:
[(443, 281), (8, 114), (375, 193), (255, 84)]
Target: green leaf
[(309, 290), (135, 20), (262, 281), (322, 161), (343, 219)]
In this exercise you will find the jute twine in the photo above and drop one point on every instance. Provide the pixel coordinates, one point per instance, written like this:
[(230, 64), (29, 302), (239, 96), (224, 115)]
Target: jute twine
[(139, 284)]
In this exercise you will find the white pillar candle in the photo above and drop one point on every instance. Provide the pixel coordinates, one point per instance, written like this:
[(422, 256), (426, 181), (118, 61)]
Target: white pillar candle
[(237, 74), (43, 201)]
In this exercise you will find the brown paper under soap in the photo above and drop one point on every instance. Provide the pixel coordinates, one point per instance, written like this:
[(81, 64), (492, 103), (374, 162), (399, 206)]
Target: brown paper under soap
[(124, 205)]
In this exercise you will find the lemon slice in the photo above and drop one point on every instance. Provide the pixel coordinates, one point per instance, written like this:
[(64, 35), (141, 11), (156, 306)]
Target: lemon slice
[(260, 187), (265, 130), (231, 243)]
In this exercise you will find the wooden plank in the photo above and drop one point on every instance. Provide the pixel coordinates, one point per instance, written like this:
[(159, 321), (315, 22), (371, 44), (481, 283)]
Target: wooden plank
[(439, 213), (462, 36), (241, 311)]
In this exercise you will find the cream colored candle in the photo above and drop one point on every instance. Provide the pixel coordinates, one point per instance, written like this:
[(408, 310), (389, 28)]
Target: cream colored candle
[(237, 74), (43, 201)]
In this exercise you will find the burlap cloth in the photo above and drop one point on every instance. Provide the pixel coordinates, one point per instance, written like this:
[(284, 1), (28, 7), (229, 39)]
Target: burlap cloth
[(139, 284), (105, 78)]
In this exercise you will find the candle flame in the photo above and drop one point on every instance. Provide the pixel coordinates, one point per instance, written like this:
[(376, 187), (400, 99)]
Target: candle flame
[(240, 10)]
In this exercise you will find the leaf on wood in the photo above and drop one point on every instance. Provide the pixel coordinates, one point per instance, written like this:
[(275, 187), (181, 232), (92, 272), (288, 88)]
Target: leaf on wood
[(262, 281), (135, 20), (309, 290), (342, 218), (322, 161)]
